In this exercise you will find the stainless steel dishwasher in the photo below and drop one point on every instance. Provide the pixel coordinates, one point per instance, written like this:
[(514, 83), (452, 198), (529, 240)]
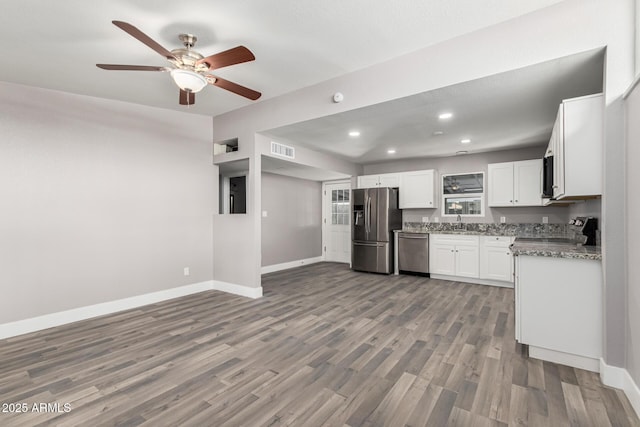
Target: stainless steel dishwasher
[(413, 252)]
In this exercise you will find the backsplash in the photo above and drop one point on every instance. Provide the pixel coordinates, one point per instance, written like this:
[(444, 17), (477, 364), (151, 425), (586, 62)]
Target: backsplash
[(522, 230)]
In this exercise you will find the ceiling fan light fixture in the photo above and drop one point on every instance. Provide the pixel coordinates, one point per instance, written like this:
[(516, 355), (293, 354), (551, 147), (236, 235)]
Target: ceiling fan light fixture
[(189, 81)]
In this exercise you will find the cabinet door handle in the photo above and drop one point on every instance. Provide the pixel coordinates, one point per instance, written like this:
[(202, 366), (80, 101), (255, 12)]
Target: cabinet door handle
[(510, 201), (516, 201)]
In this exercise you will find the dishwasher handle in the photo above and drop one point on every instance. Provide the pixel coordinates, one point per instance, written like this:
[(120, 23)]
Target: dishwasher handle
[(412, 236)]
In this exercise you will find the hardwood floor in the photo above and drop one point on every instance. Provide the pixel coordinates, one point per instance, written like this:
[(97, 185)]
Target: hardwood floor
[(324, 346)]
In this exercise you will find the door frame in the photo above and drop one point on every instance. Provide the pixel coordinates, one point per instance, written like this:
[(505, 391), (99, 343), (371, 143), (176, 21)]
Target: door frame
[(324, 213)]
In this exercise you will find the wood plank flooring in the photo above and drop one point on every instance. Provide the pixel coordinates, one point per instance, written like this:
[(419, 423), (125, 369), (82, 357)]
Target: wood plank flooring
[(325, 346)]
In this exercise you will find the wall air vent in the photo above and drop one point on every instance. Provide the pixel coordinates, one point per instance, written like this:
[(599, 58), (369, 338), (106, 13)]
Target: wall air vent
[(283, 150)]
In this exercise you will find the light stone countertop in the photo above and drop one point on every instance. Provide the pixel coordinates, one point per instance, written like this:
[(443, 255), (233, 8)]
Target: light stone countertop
[(557, 250), (528, 248), (461, 232)]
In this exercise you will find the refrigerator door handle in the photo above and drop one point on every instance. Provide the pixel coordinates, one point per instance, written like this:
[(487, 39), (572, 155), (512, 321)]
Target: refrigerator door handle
[(372, 244), (368, 215), (365, 216)]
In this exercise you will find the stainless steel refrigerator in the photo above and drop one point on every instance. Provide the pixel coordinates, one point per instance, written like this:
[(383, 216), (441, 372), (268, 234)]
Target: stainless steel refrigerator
[(375, 215)]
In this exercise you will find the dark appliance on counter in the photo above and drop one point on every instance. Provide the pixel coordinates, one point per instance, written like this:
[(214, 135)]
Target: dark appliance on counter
[(413, 253), (586, 226), (375, 215), (547, 177)]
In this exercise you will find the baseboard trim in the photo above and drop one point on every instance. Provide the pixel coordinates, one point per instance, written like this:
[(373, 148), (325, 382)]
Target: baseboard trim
[(232, 288), (563, 358), (474, 280), (291, 264), (20, 327), (614, 376)]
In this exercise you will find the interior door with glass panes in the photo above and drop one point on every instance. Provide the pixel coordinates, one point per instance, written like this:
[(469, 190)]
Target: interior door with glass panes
[(337, 222)]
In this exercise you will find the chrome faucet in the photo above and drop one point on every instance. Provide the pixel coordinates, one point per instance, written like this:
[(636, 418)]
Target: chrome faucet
[(459, 222)]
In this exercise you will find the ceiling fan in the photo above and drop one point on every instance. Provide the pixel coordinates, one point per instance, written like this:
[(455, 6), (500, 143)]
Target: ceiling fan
[(189, 69)]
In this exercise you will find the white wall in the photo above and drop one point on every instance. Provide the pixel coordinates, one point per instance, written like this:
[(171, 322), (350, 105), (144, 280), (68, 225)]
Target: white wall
[(474, 163), (633, 235), (292, 229), (99, 200)]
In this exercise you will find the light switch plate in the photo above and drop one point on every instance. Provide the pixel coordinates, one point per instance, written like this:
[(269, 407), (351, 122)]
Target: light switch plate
[(503, 219), (545, 220), (436, 219), (264, 214), (425, 219)]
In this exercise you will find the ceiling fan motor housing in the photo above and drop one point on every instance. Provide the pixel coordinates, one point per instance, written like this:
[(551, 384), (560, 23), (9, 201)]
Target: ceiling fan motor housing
[(187, 59)]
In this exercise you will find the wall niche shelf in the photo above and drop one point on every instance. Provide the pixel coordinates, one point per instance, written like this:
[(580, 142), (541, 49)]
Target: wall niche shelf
[(226, 146)]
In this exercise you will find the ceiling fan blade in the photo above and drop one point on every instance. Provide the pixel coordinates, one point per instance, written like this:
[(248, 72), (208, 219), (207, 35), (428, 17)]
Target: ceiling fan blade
[(134, 32), (187, 98), (237, 55), (234, 87), (131, 67)]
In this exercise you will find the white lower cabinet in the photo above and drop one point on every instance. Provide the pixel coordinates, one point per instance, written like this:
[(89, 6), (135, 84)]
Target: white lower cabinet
[(454, 255), (442, 259), (559, 309), (496, 259)]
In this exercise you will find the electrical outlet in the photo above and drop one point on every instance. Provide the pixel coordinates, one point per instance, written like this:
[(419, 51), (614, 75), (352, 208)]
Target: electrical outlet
[(503, 219), (436, 219), (186, 271), (264, 214), (545, 220), (425, 219)]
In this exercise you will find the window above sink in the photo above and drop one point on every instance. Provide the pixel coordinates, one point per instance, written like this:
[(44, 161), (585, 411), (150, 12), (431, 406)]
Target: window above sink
[(463, 194)]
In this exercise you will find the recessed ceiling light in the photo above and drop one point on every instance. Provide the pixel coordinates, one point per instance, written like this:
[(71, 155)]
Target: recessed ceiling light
[(465, 141), (438, 133), (354, 133), (445, 116), (391, 151)]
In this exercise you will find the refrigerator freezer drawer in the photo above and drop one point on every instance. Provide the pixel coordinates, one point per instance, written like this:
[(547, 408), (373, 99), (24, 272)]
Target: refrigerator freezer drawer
[(374, 257)]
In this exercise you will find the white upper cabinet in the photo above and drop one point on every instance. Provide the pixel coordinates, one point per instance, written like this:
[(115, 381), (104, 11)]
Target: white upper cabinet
[(389, 180), (527, 183), (380, 180), (417, 189), (368, 181), (500, 184), (515, 183), (577, 144)]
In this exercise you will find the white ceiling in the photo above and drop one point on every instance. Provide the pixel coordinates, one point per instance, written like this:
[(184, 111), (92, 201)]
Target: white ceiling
[(508, 110), (297, 43)]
